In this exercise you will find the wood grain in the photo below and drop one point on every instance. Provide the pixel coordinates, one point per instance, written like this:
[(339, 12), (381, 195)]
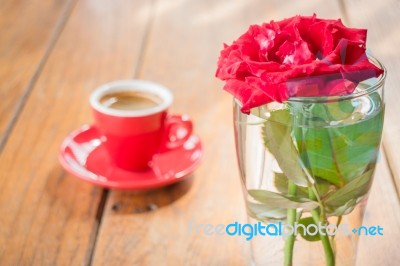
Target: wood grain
[(381, 19), (47, 216), (153, 228), (382, 209), (28, 30)]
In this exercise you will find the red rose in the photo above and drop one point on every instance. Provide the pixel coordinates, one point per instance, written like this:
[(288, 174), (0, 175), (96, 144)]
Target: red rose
[(299, 56)]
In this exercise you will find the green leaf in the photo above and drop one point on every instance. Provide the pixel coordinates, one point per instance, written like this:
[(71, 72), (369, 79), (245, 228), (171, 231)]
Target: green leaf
[(262, 212), (339, 152), (281, 184), (313, 141), (356, 146), (342, 210), (323, 186), (347, 196), (340, 110), (315, 149), (276, 200), (277, 139), (306, 222)]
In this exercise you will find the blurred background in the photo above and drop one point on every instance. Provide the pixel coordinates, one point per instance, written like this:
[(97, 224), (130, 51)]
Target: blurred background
[(53, 53)]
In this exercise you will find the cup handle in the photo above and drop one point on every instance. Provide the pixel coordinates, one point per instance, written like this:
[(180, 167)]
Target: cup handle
[(178, 129)]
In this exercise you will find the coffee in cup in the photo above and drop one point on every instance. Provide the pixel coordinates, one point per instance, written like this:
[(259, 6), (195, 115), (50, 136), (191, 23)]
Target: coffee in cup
[(130, 100), (132, 116)]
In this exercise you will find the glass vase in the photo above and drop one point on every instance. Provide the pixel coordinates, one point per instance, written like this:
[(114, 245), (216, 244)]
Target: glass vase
[(306, 167)]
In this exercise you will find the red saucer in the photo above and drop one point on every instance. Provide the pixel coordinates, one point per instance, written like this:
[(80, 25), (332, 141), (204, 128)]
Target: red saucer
[(83, 155)]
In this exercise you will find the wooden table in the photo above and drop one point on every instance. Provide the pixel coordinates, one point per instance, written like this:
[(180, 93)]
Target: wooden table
[(54, 53)]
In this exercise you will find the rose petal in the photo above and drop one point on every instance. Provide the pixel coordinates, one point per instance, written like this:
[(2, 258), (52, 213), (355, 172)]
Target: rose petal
[(275, 91), (303, 87), (299, 56), (294, 53), (249, 96), (339, 87)]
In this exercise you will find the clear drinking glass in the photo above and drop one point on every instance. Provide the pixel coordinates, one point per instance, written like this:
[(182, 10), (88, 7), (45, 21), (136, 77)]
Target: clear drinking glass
[(310, 160)]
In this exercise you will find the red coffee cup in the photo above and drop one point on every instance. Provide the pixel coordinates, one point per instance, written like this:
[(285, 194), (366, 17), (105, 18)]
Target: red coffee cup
[(133, 137)]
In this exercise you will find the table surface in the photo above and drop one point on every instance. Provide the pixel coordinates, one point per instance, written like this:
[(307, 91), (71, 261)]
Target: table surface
[(54, 53)]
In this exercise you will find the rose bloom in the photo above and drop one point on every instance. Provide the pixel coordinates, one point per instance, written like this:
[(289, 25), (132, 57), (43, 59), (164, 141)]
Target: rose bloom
[(299, 56)]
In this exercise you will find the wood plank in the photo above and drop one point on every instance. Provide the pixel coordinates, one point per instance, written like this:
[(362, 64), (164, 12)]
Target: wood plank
[(152, 228), (48, 217), (381, 18), (382, 209), (28, 30)]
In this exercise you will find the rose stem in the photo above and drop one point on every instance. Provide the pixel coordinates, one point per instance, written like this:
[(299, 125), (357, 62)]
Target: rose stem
[(291, 218), (339, 220), (329, 255)]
